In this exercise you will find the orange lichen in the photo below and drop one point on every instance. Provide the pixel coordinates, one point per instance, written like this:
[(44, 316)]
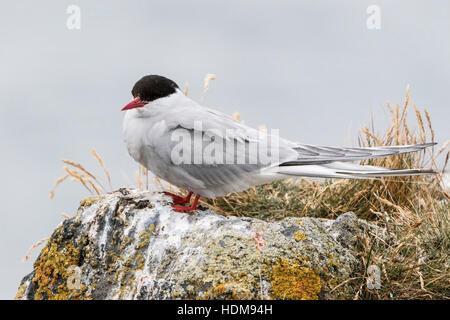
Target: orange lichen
[(52, 272), (229, 291), (291, 281)]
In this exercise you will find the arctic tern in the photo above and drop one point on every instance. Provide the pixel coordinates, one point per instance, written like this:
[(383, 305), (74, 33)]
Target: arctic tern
[(160, 114)]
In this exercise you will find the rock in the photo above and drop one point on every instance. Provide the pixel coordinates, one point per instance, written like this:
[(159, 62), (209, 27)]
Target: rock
[(132, 245)]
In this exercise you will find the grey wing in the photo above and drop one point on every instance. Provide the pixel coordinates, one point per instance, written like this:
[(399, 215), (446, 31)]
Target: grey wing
[(226, 165), (233, 167), (309, 154)]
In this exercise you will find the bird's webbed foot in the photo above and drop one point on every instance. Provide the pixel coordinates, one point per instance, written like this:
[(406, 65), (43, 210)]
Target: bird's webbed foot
[(179, 199), (192, 207)]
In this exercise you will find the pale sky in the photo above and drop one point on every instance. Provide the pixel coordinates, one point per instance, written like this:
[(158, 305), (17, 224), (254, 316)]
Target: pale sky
[(312, 69)]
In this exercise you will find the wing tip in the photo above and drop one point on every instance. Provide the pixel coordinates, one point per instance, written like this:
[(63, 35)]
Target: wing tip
[(391, 172), (426, 144)]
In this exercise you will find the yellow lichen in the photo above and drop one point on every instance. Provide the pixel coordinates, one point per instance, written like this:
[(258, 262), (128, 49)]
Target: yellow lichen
[(21, 292), (299, 236), (140, 262), (333, 261), (229, 291), (52, 272), (144, 237), (291, 281), (86, 202)]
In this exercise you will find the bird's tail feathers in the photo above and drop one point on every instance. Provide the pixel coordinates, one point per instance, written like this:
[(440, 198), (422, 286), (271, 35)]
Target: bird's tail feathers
[(348, 171)]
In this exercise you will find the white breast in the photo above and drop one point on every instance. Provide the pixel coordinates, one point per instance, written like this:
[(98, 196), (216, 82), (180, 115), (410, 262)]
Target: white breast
[(134, 130)]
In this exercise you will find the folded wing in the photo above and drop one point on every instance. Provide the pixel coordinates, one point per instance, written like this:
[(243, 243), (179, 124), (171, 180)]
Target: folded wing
[(309, 154)]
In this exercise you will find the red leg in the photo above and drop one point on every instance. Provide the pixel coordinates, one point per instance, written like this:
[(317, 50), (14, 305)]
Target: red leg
[(178, 199), (192, 207)]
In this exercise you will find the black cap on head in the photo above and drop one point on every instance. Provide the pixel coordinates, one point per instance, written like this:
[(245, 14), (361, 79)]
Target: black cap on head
[(153, 87)]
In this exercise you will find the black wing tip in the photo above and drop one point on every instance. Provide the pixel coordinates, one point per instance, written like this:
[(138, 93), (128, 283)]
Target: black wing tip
[(391, 172), (423, 171), (428, 171), (419, 145), (427, 144)]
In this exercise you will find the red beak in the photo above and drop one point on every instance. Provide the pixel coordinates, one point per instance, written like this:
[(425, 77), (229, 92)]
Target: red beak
[(135, 103)]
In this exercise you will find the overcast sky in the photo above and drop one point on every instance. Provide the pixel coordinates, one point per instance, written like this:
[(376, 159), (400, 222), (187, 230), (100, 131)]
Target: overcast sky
[(310, 68)]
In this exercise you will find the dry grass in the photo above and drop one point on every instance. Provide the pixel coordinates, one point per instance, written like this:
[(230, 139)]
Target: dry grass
[(32, 248), (206, 82), (100, 161), (80, 174), (57, 182)]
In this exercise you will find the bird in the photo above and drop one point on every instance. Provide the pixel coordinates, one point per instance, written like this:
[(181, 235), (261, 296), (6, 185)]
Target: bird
[(160, 112)]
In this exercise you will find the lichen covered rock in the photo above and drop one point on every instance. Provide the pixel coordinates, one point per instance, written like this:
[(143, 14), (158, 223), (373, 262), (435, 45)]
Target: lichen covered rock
[(132, 245)]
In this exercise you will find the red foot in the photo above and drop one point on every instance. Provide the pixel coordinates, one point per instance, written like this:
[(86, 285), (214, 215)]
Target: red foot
[(192, 207), (179, 200)]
